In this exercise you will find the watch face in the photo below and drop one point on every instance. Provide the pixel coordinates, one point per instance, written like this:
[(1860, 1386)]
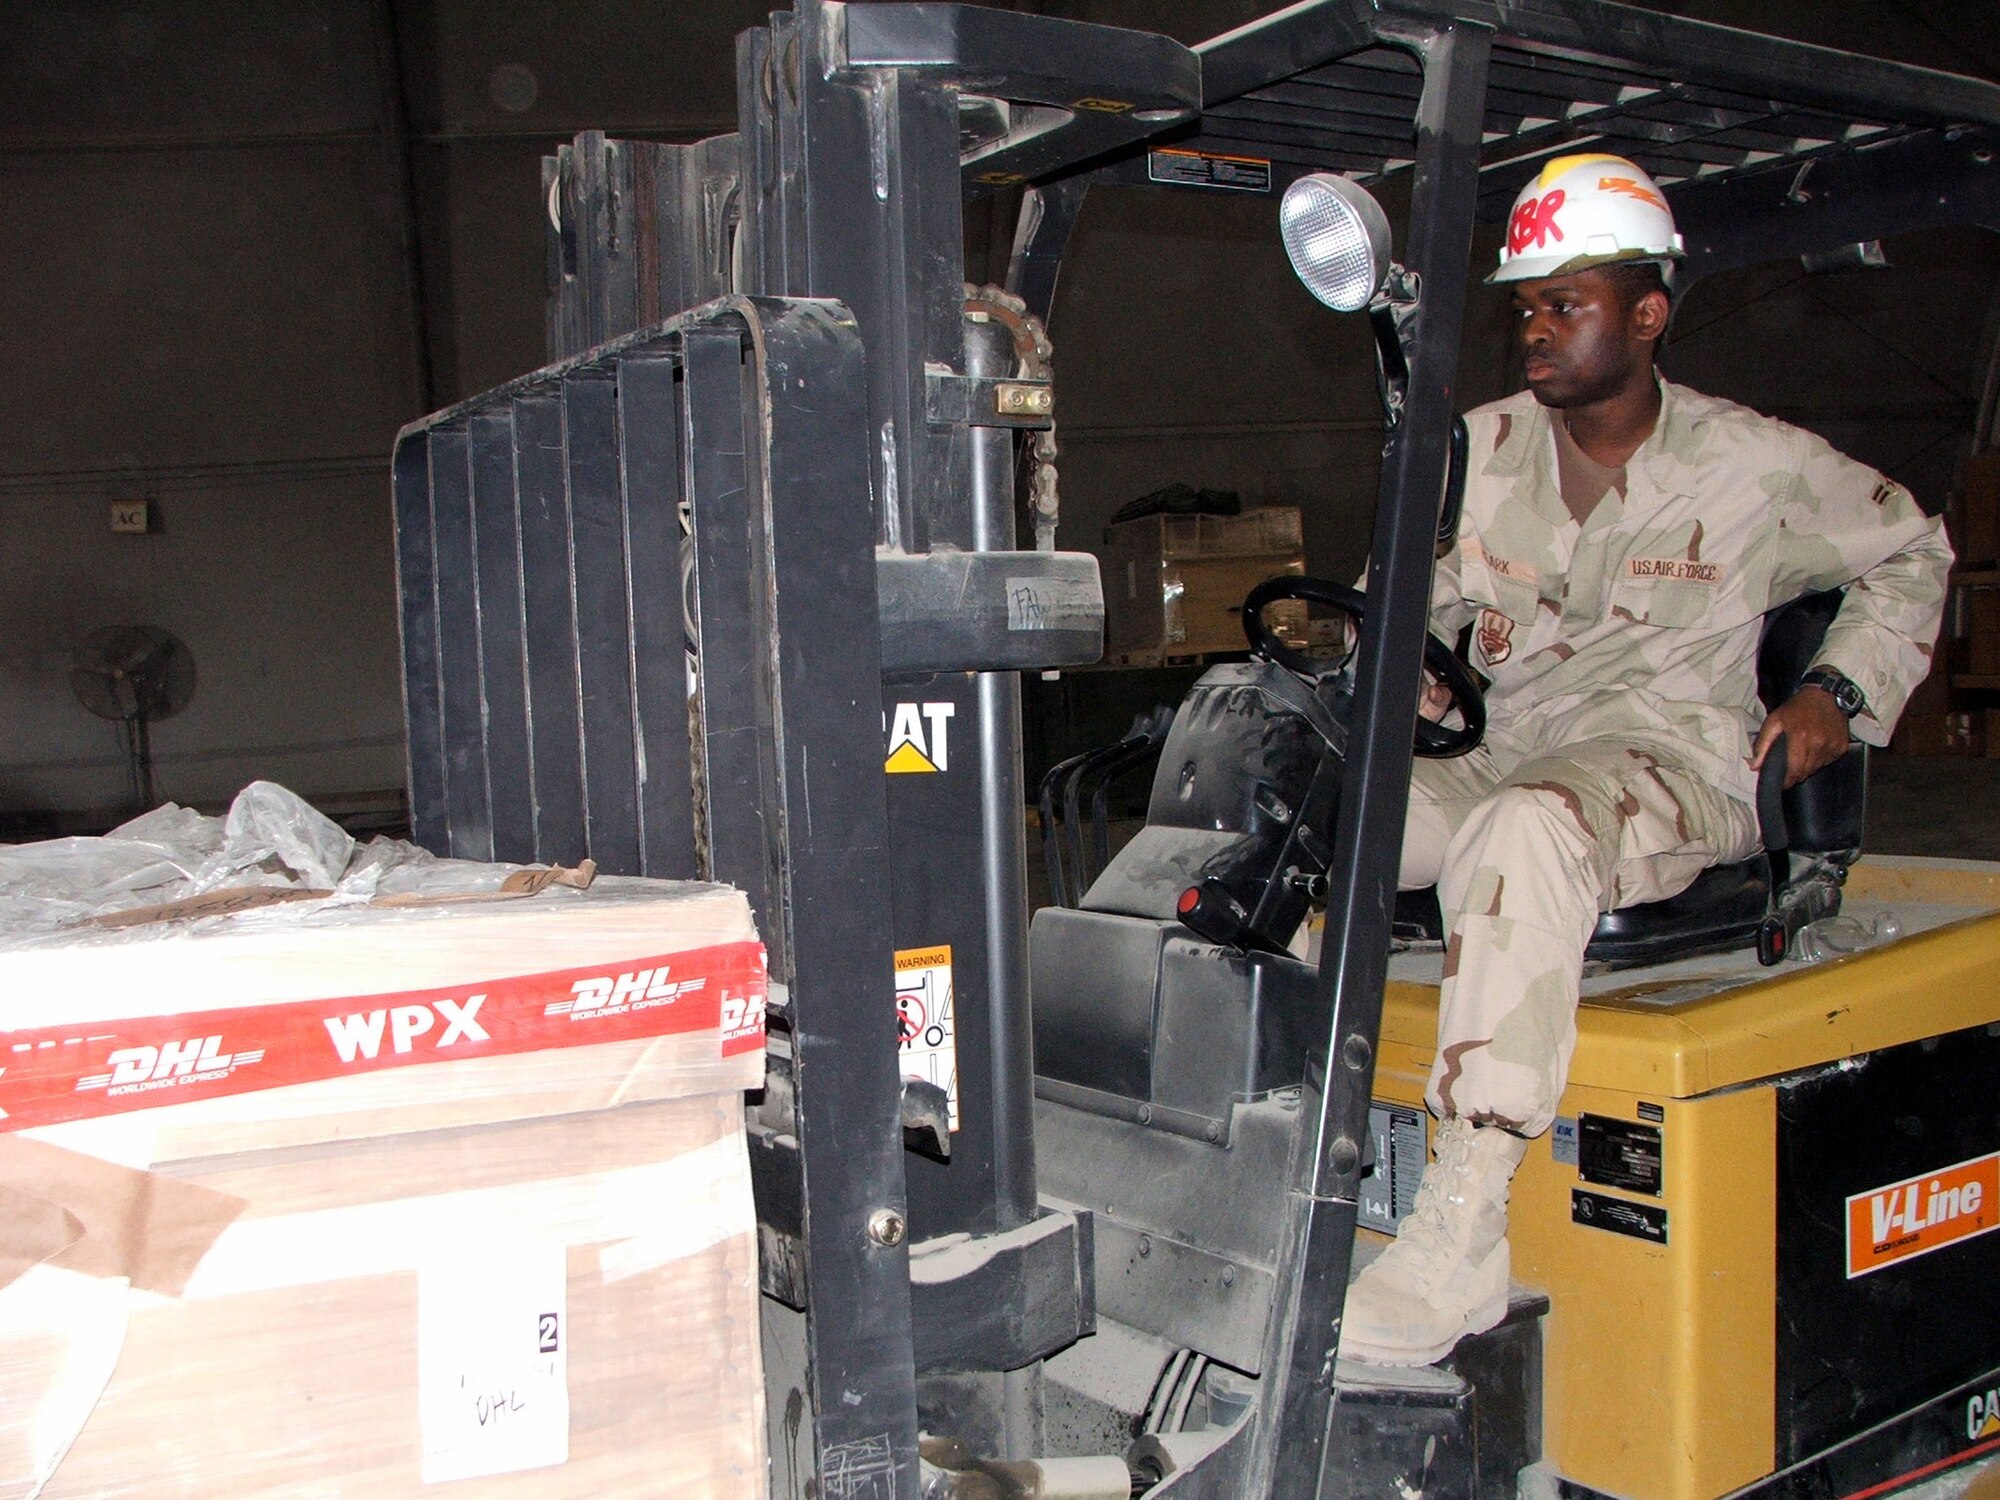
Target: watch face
[(1846, 695)]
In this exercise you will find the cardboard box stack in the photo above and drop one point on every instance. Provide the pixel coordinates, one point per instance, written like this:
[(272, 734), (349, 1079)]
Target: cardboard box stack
[(1975, 519), (1957, 710), (440, 1194), (1174, 584)]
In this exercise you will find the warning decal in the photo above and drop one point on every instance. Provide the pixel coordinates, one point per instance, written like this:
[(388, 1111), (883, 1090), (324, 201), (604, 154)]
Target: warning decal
[(1923, 1213), (926, 1026), (1242, 174), (1389, 1191)]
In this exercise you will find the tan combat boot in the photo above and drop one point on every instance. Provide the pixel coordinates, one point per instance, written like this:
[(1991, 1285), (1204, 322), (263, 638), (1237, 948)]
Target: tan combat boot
[(1446, 1274)]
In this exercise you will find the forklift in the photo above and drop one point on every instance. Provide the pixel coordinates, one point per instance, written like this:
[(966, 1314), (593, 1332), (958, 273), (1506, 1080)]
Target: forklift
[(736, 589)]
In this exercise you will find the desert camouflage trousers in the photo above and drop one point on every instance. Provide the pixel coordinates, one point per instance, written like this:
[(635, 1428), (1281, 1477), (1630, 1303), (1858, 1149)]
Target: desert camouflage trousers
[(1525, 856)]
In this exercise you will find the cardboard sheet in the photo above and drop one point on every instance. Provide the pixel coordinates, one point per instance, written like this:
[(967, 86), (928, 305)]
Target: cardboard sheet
[(283, 1372), (98, 1218)]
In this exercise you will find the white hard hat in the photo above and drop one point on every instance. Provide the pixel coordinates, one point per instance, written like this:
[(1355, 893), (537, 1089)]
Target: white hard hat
[(1584, 211)]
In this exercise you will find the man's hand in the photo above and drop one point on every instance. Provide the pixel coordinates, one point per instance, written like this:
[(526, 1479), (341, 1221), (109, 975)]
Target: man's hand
[(1436, 701), (1815, 732)]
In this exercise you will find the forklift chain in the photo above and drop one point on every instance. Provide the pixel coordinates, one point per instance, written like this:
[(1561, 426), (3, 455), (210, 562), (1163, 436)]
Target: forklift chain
[(1034, 358)]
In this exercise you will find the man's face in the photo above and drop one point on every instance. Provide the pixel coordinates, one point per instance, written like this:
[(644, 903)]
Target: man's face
[(1581, 339)]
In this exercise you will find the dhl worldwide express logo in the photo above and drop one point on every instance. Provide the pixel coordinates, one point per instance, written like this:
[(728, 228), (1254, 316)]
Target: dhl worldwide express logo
[(604, 995), (620, 994), (1920, 1214), (170, 1065)]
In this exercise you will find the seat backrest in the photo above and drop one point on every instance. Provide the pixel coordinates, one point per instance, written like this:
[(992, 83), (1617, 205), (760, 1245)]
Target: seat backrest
[(1243, 798), (1825, 812)]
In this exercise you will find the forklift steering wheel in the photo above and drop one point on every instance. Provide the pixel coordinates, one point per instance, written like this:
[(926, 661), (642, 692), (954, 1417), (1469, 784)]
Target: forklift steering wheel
[(1434, 740)]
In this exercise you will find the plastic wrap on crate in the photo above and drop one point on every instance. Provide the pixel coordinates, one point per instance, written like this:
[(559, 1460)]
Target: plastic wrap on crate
[(271, 849), (421, 1176)]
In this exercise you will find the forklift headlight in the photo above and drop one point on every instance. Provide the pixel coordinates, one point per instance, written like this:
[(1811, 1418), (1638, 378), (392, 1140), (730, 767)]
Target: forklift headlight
[(1338, 239)]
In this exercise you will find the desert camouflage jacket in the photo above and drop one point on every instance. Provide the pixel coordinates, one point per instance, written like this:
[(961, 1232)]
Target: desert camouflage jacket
[(1642, 623)]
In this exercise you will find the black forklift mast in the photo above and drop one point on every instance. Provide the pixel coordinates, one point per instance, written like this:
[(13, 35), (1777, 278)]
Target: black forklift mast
[(671, 601), (851, 569), (1316, 1242)]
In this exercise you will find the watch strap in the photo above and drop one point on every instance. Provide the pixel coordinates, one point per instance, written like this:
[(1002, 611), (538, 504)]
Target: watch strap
[(1846, 693)]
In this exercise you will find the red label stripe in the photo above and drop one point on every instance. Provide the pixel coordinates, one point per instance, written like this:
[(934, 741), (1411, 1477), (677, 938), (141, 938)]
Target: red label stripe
[(49, 1075)]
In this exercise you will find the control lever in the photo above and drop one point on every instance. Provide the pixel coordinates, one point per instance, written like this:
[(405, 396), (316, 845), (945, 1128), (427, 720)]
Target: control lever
[(1209, 911), (1780, 924), (1793, 903)]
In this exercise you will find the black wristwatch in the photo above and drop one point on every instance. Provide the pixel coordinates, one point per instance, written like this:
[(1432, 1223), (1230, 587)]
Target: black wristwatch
[(1847, 697)]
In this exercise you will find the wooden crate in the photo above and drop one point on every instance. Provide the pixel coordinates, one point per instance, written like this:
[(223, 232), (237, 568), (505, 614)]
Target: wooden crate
[(1982, 657), (506, 1274), (1974, 521), (1174, 585)]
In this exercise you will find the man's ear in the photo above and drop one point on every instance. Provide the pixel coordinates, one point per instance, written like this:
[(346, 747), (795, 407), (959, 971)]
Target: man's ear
[(1649, 315)]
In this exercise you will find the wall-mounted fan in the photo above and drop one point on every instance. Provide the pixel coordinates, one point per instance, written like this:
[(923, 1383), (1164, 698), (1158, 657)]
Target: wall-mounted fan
[(134, 674)]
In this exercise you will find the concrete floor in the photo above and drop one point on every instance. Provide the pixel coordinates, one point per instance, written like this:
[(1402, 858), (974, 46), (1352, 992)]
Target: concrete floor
[(1980, 1482)]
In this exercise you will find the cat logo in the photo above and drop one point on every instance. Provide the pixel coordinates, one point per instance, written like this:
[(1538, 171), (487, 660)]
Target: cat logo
[(917, 739), (1982, 1416)]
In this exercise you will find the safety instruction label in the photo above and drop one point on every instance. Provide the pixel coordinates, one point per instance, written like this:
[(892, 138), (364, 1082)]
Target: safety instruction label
[(1242, 174), (926, 1024), (1390, 1189), (1642, 1221)]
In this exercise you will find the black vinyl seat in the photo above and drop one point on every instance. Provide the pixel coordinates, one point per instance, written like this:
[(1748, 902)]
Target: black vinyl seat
[(1726, 906), (1164, 983)]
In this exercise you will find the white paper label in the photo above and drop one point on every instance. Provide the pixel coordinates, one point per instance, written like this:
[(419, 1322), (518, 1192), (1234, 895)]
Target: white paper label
[(1047, 603), (492, 1362)]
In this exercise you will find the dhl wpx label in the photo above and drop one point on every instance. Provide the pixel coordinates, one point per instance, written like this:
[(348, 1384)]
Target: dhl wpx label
[(50, 1075)]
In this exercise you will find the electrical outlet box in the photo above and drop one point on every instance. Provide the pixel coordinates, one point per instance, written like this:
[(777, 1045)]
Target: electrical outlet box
[(132, 516)]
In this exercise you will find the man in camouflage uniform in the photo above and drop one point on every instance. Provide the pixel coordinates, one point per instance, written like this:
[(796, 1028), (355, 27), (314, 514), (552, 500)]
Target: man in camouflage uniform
[(1621, 540)]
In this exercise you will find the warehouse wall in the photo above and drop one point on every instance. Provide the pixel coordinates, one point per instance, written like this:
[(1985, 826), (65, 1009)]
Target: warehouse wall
[(204, 306), (1187, 350), (251, 238), (1886, 365), (281, 587)]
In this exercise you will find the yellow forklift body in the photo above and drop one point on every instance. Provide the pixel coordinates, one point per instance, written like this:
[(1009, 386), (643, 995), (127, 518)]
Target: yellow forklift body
[(1662, 1343)]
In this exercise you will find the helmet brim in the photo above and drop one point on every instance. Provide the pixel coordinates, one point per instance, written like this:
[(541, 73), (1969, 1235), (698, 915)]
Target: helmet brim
[(1537, 267)]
